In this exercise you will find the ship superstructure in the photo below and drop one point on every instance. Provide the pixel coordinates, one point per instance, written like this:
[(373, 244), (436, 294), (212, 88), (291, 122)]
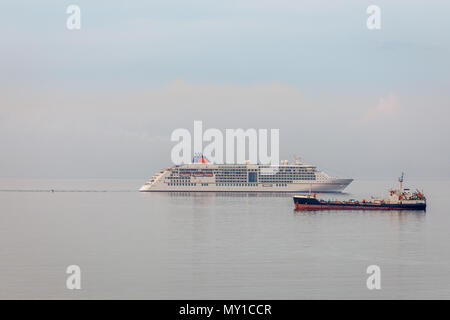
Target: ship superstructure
[(201, 175)]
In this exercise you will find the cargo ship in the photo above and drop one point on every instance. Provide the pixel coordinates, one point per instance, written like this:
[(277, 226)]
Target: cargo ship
[(398, 199)]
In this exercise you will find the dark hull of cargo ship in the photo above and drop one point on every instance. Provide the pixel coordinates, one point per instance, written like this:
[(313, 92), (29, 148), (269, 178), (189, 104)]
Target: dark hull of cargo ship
[(314, 204)]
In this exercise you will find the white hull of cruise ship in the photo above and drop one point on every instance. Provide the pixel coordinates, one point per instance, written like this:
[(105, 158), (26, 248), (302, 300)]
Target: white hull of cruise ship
[(338, 185), (207, 177)]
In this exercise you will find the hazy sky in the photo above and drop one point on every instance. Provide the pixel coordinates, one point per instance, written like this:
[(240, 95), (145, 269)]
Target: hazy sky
[(102, 101)]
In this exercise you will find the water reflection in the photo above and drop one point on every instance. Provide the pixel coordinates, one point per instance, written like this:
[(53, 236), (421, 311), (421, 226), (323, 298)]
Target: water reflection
[(236, 194), (400, 220)]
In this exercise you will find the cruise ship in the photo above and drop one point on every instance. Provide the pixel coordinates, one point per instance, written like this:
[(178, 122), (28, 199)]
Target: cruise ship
[(203, 176)]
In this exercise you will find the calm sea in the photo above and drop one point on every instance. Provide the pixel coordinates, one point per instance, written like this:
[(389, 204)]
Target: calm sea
[(215, 246)]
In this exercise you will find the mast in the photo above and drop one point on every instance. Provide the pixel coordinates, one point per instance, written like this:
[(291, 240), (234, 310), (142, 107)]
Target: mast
[(400, 184)]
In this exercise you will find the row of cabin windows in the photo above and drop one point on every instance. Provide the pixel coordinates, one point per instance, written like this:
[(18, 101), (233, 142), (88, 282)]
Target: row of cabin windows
[(265, 174), (186, 184), (225, 185), (226, 175), (246, 172), (285, 178), (237, 185)]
